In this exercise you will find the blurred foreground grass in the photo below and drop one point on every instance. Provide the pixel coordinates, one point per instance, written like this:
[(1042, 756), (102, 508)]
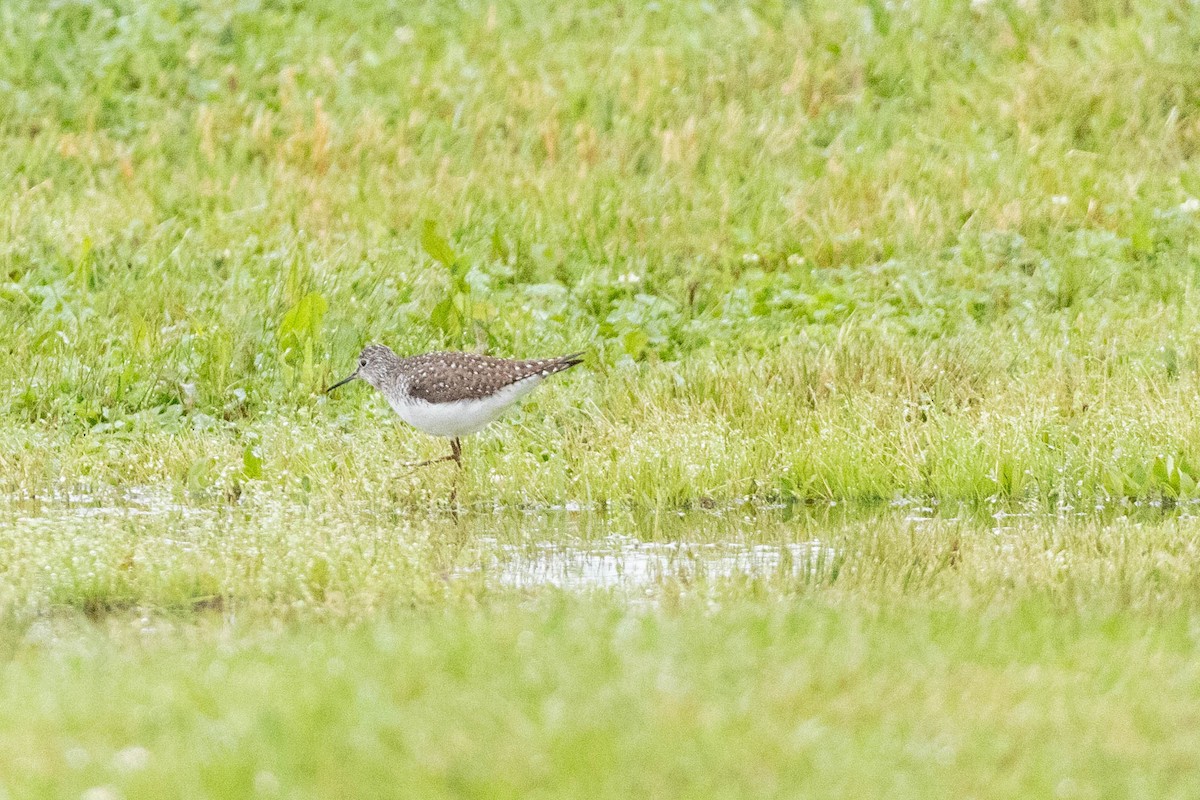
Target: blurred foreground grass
[(334, 652), (574, 697)]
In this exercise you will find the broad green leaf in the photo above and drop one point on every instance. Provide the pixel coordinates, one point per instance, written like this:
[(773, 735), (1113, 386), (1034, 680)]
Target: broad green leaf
[(880, 16), (252, 462), (1141, 230), (1137, 479), (500, 250), (458, 272), (445, 316), (635, 343), (305, 317), (302, 322), (1114, 481), (437, 247), (1160, 471)]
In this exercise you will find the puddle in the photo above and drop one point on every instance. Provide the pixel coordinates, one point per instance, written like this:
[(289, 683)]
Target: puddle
[(143, 547), (132, 502), (627, 563)]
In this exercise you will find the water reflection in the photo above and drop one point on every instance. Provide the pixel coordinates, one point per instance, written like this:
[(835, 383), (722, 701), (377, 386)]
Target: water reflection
[(144, 547), (629, 563)]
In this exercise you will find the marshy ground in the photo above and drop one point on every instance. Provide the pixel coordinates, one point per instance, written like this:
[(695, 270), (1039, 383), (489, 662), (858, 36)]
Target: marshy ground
[(878, 479)]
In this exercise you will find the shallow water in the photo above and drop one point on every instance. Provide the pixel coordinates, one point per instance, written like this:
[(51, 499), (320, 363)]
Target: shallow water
[(144, 548), (628, 563)]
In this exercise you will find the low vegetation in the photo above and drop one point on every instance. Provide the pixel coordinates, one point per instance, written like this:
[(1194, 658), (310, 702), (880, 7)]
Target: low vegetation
[(934, 263), (957, 238)]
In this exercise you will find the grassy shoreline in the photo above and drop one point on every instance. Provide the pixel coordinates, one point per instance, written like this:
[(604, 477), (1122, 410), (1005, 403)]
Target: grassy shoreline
[(974, 262), (892, 305), (674, 436)]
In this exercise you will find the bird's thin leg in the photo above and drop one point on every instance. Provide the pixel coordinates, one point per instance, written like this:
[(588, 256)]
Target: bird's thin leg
[(419, 464), (455, 456)]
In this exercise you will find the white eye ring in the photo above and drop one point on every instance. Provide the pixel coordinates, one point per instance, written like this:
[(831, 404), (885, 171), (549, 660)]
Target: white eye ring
[(362, 362)]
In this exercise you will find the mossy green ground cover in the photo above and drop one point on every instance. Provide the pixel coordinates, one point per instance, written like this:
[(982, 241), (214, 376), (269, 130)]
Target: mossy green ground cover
[(817, 252)]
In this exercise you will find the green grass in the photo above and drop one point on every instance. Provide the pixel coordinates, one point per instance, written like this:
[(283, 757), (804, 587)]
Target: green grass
[(573, 698), (958, 238), (311, 652), (818, 255)]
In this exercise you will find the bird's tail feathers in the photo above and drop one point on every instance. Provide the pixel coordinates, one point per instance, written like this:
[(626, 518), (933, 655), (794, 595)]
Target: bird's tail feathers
[(566, 362)]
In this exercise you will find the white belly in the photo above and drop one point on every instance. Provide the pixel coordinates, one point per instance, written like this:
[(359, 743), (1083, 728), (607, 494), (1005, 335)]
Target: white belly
[(462, 417)]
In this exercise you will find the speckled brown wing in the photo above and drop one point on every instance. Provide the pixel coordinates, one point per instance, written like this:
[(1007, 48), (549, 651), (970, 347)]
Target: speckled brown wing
[(449, 377)]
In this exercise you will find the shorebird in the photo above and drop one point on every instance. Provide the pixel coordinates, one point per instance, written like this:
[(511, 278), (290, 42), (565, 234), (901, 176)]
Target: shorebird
[(451, 394)]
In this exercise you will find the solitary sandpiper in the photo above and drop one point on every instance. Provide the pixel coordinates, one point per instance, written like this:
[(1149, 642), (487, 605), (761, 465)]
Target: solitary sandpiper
[(451, 394)]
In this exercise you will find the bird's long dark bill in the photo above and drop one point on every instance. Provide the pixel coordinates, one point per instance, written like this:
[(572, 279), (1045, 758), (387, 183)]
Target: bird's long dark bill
[(342, 382)]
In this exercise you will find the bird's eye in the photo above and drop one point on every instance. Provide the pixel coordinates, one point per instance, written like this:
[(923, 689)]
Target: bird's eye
[(362, 362)]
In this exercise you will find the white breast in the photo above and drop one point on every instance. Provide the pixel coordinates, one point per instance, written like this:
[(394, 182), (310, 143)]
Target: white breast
[(461, 417)]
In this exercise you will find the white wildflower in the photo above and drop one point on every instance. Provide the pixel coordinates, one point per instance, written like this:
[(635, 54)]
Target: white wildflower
[(100, 793), (131, 759), (265, 782)]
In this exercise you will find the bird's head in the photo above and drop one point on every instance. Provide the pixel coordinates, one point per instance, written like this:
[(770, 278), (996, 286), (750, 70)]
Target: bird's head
[(374, 363)]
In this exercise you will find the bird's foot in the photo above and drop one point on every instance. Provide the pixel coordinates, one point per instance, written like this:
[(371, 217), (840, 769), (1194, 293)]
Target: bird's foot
[(455, 456), (419, 464)]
